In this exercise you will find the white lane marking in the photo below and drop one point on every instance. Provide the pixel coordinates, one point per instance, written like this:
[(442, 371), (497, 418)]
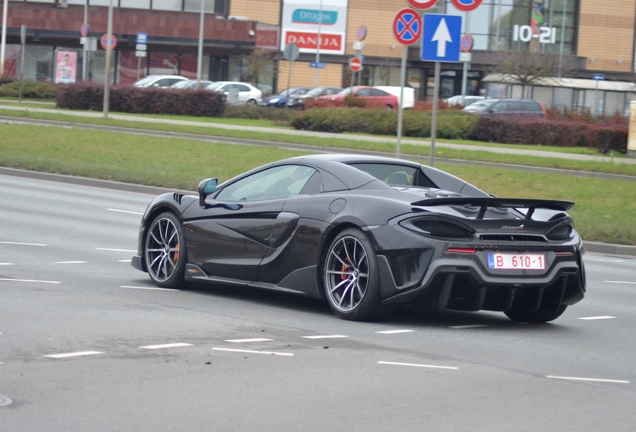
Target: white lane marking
[(597, 318), (172, 345), (325, 337), (148, 288), (461, 327), (116, 250), (417, 365), (6, 264), (395, 331), (28, 280), (124, 211), (75, 354), (611, 260), (124, 261), (253, 352), (71, 262), (22, 244), (621, 282), (588, 379), (248, 340)]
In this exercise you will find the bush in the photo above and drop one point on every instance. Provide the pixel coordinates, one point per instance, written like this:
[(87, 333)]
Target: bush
[(451, 124), (89, 96), (30, 89), (603, 135), (256, 112)]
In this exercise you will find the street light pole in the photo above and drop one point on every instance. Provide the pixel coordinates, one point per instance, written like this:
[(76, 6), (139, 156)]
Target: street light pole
[(109, 53), (3, 42), (318, 44), (200, 53), (85, 47)]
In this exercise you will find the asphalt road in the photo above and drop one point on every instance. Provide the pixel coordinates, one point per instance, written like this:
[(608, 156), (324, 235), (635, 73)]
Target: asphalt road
[(88, 344)]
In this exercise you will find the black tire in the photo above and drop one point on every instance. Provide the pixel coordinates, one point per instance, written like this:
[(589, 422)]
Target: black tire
[(389, 107), (535, 317), (251, 102), (165, 252), (350, 278)]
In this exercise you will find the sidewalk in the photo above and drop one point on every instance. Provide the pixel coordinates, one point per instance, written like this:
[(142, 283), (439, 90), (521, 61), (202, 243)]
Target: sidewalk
[(281, 131)]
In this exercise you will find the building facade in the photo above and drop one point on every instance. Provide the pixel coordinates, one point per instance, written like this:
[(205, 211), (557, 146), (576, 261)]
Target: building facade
[(244, 40)]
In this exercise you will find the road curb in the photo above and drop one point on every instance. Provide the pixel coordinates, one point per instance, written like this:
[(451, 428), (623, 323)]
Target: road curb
[(595, 247)]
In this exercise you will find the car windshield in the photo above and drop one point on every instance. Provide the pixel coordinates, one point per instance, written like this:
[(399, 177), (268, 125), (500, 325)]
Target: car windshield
[(181, 84), (478, 106), (214, 86), (347, 91), (146, 80), (284, 92), (315, 92)]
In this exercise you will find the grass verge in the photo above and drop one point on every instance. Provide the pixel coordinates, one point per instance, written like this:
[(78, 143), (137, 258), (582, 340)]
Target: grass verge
[(604, 210)]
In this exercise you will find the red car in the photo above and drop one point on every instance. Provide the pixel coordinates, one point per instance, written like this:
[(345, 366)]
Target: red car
[(374, 98)]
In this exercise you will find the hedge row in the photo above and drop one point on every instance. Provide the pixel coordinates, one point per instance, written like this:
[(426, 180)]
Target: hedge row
[(451, 124), (88, 96), (604, 135), (30, 89)]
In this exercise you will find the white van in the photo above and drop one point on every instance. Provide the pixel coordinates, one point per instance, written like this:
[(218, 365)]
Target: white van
[(409, 94)]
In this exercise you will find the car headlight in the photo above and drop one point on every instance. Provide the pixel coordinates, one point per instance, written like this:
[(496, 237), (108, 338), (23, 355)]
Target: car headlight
[(274, 100)]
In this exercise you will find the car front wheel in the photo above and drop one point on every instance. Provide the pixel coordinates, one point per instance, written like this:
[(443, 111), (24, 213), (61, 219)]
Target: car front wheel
[(165, 252), (251, 102), (350, 278)]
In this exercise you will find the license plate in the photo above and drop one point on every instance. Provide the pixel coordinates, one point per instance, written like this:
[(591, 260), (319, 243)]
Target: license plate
[(516, 261)]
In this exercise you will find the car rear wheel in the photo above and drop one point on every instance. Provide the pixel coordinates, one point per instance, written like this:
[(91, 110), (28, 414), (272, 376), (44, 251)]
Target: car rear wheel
[(164, 251), (350, 278), (251, 102), (535, 317)]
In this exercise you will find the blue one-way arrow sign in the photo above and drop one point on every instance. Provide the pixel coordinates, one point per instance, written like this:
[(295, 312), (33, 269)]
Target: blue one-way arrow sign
[(441, 37)]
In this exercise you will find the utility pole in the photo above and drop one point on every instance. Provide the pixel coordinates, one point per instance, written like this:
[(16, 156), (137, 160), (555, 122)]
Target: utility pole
[(109, 54), (3, 42)]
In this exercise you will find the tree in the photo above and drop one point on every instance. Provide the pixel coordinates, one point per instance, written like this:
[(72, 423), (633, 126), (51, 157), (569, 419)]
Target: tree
[(527, 68), (258, 64)]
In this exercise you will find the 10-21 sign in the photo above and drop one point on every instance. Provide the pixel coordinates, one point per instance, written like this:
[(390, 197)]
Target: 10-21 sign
[(546, 35)]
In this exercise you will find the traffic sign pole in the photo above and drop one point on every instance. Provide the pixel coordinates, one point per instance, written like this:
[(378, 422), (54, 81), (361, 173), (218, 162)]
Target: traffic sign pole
[(407, 29), (109, 53), (438, 73)]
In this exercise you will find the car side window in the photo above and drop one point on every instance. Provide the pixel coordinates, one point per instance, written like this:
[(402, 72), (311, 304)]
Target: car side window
[(498, 107), (533, 107), (364, 92), (162, 82), (242, 88), (514, 107), (273, 183), (377, 92)]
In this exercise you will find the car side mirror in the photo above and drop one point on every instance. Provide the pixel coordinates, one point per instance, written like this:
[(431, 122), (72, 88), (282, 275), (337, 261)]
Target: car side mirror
[(205, 188)]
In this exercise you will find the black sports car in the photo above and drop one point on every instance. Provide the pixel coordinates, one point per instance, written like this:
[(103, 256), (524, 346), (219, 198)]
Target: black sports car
[(367, 233)]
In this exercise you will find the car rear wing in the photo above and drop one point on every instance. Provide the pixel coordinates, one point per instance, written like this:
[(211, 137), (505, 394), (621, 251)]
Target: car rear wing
[(497, 203)]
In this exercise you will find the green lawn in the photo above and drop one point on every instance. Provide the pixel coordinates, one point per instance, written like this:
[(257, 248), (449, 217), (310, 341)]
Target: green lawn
[(604, 212), (406, 149)]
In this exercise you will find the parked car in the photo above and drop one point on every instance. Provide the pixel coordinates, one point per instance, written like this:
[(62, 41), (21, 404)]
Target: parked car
[(466, 100), (507, 107), (365, 233), (190, 84), (298, 100), (375, 98), (409, 94), (280, 99), (238, 93), (161, 81)]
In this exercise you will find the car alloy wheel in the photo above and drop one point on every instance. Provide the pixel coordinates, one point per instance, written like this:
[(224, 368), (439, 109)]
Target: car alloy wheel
[(350, 278), (165, 251)]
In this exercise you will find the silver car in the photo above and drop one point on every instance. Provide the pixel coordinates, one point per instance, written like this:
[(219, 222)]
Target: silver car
[(238, 93)]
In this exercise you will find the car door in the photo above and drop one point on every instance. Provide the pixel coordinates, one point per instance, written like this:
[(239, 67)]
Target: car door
[(241, 222), (244, 93)]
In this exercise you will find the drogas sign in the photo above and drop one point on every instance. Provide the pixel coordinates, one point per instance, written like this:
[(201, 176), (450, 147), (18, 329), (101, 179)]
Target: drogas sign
[(310, 16)]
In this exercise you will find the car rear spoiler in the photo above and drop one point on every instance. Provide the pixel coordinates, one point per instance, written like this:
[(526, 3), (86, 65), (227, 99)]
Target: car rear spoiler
[(485, 202)]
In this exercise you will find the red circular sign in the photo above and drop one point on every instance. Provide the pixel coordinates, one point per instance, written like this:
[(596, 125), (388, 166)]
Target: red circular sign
[(422, 4), (113, 42), (361, 33), (466, 43), (355, 64), (407, 26), (84, 30), (466, 5)]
